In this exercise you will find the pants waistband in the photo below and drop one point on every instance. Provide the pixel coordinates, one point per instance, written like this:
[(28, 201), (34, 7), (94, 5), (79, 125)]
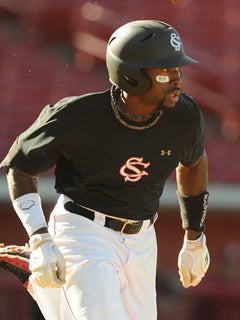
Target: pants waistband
[(117, 224)]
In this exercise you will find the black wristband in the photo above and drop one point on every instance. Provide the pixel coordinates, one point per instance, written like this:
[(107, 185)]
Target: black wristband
[(193, 210)]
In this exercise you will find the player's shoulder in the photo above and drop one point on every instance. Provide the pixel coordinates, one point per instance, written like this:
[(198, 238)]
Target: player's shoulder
[(188, 106), (81, 100), (188, 102), (72, 108)]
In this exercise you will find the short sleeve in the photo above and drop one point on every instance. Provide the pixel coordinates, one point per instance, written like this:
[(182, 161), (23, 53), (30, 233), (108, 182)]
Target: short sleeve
[(37, 149), (196, 140)]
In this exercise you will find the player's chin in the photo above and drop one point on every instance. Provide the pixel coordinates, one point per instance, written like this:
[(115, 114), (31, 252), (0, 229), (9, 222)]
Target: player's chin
[(169, 105), (170, 102)]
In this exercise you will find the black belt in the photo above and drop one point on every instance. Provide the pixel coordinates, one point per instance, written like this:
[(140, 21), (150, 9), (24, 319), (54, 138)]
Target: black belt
[(128, 227)]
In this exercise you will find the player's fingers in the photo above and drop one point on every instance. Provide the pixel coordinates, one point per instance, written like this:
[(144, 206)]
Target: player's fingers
[(53, 278), (195, 281), (185, 277), (61, 270), (38, 278), (61, 274), (47, 278), (60, 266)]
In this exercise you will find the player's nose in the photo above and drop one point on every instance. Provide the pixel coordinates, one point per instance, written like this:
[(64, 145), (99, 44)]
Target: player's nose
[(176, 77)]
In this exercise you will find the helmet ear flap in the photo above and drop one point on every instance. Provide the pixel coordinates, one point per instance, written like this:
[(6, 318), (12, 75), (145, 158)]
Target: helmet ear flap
[(135, 83)]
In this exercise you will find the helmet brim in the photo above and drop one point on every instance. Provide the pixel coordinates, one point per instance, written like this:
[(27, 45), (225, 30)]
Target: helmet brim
[(184, 60), (175, 62)]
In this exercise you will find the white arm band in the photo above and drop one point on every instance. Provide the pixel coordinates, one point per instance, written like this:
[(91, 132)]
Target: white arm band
[(29, 210)]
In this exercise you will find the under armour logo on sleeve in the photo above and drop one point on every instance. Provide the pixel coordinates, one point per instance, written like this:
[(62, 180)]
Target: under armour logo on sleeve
[(166, 152)]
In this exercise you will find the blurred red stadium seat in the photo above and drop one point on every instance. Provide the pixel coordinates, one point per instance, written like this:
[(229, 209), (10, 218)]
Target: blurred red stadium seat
[(31, 74)]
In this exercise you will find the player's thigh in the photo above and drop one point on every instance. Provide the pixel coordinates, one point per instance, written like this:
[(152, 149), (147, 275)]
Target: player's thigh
[(93, 289), (51, 301)]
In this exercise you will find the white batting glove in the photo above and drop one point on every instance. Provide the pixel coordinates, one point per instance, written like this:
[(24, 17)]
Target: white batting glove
[(193, 261), (46, 262)]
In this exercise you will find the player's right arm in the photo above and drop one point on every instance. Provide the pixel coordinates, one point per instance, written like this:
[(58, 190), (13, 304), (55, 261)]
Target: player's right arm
[(46, 262), (20, 183), (34, 151)]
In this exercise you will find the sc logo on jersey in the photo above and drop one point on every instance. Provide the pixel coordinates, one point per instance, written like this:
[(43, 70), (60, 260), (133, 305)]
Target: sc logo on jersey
[(133, 170)]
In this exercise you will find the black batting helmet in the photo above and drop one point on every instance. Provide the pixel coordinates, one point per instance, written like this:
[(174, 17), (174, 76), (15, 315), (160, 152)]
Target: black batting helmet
[(143, 44)]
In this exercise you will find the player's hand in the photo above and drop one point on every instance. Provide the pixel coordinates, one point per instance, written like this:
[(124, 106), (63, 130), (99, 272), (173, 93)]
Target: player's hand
[(46, 261), (193, 261)]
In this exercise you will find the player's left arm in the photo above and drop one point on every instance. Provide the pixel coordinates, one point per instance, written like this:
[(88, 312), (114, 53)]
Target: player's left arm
[(192, 182)]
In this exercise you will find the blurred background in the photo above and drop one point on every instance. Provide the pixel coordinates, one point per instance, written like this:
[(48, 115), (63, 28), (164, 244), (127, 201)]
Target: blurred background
[(50, 49)]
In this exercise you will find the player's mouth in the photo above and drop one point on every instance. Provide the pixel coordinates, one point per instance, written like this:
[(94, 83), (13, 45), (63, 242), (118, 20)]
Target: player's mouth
[(172, 97)]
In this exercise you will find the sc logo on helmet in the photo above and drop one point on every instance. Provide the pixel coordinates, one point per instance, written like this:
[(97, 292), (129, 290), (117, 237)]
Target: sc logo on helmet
[(175, 41)]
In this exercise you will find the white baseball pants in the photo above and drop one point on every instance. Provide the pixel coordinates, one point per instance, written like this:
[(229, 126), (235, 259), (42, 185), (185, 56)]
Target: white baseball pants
[(109, 275)]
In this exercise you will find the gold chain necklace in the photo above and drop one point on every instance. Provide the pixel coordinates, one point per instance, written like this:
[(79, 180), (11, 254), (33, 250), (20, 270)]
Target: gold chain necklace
[(117, 112)]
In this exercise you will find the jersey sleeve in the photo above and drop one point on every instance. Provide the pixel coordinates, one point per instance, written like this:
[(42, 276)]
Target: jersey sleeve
[(38, 148), (196, 140)]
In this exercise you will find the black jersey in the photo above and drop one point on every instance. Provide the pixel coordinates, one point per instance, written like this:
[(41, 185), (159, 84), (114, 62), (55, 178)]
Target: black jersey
[(102, 164)]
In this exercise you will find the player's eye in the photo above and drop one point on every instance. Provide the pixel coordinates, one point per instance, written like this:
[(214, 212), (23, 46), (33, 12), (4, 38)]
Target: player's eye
[(171, 69)]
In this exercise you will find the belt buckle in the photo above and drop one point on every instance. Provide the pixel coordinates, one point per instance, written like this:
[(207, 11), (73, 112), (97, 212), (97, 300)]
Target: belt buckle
[(124, 226), (137, 225)]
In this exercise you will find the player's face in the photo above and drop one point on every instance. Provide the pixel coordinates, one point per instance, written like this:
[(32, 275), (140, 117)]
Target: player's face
[(166, 86)]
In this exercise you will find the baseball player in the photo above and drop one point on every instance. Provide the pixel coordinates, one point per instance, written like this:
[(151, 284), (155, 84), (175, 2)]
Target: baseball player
[(113, 152)]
